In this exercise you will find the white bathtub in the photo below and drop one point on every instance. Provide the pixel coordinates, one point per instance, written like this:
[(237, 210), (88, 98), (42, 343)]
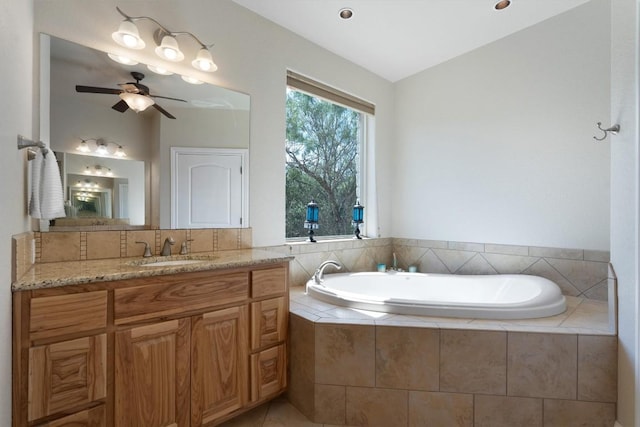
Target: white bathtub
[(505, 296)]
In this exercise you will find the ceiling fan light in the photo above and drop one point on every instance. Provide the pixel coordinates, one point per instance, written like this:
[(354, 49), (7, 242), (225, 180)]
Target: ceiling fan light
[(128, 35), (137, 102), (204, 61), (122, 59), (169, 49), (159, 70)]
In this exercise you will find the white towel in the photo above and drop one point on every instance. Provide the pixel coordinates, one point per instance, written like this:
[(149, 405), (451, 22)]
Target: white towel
[(36, 173), (47, 196)]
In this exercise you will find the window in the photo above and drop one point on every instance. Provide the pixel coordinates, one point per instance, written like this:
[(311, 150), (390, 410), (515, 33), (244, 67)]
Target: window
[(325, 134)]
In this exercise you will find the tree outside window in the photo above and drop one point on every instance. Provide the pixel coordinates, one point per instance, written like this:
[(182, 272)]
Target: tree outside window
[(322, 163)]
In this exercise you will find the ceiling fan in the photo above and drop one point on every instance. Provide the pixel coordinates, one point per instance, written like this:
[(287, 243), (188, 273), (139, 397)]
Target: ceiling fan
[(133, 95)]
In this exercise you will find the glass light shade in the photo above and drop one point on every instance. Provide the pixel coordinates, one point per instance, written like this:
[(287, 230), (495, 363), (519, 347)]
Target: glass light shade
[(120, 152), (192, 80), (358, 213), (312, 212), (136, 101), (83, 147), (204, 61), (169, 49), (102, 149), (128, 35), (159, 70), (122, 59)]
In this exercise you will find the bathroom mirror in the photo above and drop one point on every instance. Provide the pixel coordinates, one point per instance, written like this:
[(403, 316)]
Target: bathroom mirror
[(205, 116)]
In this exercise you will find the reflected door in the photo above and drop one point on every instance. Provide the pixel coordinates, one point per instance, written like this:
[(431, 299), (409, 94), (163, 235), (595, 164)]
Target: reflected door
[(208, 188)]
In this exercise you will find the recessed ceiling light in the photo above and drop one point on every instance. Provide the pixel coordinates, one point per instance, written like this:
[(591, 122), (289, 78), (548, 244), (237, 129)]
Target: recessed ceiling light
[(502, 4), (345, 13)]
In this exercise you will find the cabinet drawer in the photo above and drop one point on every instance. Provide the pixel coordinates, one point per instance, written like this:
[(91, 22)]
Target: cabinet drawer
[(183, 294), (94, 417), (66, 374), (268, 373), (268, 322), (67, 314), (268, 282)]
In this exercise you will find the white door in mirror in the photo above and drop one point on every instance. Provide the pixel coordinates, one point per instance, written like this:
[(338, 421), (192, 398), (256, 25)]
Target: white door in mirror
[(208, 187)]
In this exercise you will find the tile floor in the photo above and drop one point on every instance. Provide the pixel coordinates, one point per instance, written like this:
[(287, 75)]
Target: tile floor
[(277, 413)]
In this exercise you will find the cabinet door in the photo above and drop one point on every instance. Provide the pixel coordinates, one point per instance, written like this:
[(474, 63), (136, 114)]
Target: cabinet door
[(220, 373), (268, 322), (152, 375), (66, 374), (94, 417), (268, 373)]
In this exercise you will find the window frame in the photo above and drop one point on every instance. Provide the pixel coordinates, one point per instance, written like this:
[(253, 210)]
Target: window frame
[(365, 110)]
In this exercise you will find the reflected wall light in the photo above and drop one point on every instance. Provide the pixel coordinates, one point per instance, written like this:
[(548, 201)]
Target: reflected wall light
[(166, 42), (100, 147)]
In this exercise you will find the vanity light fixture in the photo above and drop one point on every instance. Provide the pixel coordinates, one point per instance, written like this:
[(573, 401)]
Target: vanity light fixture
[(97, 170), (192, 80), (101, 148), (159, 70), (122, 59), (128, 34), (166, 42)]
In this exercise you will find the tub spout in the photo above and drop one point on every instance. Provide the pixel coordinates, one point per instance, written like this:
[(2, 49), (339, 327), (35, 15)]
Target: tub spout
[(317, 276)]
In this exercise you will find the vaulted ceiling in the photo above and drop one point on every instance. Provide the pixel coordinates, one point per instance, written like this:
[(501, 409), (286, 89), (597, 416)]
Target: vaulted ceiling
[(398, 38)]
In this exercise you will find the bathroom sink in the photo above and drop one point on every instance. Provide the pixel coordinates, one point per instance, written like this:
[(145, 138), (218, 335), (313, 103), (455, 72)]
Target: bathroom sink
[(173, 262)]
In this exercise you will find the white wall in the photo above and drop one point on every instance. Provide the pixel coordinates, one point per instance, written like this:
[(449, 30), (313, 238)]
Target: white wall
[(496, 145), (253, 55), (16, 86), (625, 23)]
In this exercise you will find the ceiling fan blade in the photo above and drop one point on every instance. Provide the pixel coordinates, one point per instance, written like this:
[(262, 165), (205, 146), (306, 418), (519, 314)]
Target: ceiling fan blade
[(121, 106), (93, 89), (163, 111), (167, 97)]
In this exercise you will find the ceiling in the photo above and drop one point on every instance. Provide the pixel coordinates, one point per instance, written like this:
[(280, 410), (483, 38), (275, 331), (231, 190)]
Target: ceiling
[(397, 38)]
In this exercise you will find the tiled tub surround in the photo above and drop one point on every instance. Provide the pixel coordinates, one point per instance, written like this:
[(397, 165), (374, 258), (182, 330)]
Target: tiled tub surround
[(350, 367), (578, 272)]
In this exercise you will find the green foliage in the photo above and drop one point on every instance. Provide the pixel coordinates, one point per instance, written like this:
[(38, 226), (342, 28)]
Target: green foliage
[(322, 163)]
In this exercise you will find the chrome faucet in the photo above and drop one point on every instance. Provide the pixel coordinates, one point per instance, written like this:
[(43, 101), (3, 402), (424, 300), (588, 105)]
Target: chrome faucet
[(394, 266), (166, 248), (317, 276)]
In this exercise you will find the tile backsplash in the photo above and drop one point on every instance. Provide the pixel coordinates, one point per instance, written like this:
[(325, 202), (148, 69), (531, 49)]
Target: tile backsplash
[(90, 245), (578, 272)]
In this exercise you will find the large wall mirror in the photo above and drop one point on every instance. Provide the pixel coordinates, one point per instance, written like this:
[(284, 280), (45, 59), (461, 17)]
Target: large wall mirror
[(136, 191)]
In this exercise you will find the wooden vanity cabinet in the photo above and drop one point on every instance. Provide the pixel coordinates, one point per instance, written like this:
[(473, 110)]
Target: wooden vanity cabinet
[(190, 349)]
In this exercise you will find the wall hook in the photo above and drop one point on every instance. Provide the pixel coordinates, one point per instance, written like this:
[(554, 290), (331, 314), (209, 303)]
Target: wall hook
[(613, 129)]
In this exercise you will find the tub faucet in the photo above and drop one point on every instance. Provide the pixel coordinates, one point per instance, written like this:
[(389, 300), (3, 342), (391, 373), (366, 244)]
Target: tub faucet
[(317, 276), (166, 248), (394, 266)]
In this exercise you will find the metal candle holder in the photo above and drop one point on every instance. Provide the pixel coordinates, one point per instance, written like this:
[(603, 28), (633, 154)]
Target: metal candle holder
[(312, 219), (358, 218)]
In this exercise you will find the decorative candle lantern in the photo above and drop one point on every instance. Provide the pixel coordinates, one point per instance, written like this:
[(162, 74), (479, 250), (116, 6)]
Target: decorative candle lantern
[(358, 218), (312, 219)]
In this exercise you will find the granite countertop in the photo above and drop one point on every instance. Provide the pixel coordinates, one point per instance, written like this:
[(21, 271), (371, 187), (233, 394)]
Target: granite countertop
[(55, 274)]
